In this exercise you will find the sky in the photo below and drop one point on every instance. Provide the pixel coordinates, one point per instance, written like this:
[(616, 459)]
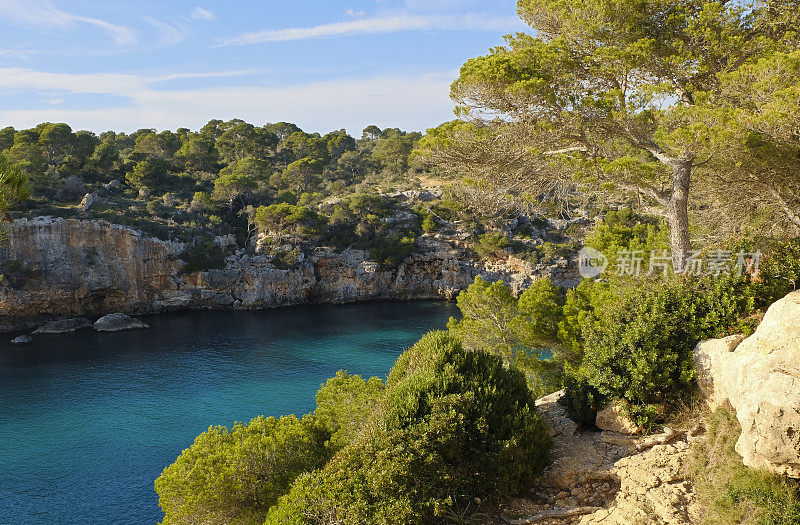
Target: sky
[(322, 64)]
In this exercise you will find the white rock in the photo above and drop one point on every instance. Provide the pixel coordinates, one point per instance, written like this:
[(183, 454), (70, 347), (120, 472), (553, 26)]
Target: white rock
[(760, 378), (90, 200)]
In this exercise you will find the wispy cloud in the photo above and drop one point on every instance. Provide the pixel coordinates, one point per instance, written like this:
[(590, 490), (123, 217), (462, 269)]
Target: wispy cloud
[(43, 14), (17, 53), (377, 25), (168, 34), (98, 83), (411, 102), (198, 13), (354, 13)]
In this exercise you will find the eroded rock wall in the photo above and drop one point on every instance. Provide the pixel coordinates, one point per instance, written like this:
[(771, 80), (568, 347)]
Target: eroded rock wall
[(69, 268)]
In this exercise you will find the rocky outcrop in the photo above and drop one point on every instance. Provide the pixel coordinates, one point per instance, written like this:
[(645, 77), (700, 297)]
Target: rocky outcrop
[(22, 340), (760, 378), (64, 326), (71, 268), (118, 322)]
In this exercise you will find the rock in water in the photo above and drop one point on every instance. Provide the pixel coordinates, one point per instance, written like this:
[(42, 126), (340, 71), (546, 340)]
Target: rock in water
[(117, 323), (64, 326), (22, 340), (760, 377)]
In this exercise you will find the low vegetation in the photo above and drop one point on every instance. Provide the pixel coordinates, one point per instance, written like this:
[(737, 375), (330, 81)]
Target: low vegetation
[(732, 493)]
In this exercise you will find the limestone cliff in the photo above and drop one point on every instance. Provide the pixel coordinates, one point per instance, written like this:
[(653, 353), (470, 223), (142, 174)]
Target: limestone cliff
[(69, 268)]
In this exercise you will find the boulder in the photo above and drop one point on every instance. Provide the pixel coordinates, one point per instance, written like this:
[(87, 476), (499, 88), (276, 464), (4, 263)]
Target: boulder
[(760, 378), (22, 340), (117, 323), (64, 326), (89, 200), (613, 419)]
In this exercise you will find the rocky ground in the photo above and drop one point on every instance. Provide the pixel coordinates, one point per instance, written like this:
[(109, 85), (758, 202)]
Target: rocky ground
[(602, 477)]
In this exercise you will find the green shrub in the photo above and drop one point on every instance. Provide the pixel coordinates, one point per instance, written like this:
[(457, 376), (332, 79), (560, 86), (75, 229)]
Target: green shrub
[(642, 351), (779, 272), (429, 224), (344, 403), (202, 256), (540, 223), (491, 244), (234, 476), (452, 425), (390, 251), (581, 400), (625, 230), (638, 345)]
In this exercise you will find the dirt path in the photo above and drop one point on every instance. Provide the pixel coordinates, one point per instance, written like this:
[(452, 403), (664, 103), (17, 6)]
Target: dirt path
[(608, 478)]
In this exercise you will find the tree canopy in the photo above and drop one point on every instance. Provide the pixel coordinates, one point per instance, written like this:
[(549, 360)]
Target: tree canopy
[(615, 95)]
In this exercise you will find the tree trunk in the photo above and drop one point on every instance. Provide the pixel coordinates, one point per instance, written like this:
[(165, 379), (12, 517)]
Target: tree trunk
[(678, 212)]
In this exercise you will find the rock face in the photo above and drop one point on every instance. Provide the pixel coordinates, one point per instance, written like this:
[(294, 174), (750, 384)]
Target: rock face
[(63, 327), (760, 377), (118, 322), (91, 268)]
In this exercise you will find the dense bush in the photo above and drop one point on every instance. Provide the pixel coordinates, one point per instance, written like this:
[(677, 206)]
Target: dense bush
[(638, 344), (453, 425), (642, 351), (202, 256), (581, 400), (343, 405), (779, 272), (234, 476), (492, 244), (520, 330), (390, 251)]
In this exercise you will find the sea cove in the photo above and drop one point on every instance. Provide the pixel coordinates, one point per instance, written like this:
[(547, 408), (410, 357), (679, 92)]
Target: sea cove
[(88, 420)]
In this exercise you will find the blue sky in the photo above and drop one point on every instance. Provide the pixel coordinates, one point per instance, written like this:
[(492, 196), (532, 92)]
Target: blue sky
[(322, 64)]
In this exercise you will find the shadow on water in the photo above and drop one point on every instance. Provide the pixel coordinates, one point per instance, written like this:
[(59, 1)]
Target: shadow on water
[(89, 420)]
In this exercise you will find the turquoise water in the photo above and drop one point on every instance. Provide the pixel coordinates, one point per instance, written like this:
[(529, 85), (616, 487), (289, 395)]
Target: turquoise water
[(88, 420)]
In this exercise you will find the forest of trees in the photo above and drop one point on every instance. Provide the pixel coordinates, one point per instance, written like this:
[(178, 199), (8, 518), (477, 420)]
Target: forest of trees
[(227, 178)]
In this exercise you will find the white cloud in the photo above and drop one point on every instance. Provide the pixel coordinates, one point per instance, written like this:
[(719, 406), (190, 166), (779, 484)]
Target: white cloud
[(43, 14), (413, 102), (198, 13), (354, 13), (380, 24)]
